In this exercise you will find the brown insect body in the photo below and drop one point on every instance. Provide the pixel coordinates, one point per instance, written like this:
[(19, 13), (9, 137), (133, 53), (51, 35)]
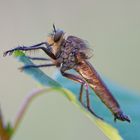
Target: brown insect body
[(71, 58), (88, 72), (72, 53)]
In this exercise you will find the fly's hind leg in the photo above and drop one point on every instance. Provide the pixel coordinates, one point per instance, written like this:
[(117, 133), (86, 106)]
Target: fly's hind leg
[(83, 83), (78, 79), (81, 95), (88, 103)]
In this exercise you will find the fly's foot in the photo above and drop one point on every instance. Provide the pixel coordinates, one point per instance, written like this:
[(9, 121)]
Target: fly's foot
[(9, 52), (26, 67), (92, 112), (121, 116)]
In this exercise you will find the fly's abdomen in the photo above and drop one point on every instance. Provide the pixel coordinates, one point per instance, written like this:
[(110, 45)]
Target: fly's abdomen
[(93, 79)]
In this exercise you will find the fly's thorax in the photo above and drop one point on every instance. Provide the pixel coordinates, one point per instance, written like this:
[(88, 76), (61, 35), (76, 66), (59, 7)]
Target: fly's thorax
[(67, 54), (66, 57)]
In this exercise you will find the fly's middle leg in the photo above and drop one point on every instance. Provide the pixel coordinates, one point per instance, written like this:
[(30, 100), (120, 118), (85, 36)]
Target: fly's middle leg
[(38, 58), (35, 66)]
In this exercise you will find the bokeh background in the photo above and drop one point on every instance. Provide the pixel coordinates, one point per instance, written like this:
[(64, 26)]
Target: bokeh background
[(112, 28)]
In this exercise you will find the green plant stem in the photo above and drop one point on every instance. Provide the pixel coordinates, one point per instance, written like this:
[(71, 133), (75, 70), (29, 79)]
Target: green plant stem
[(25, 104), (28, 99)]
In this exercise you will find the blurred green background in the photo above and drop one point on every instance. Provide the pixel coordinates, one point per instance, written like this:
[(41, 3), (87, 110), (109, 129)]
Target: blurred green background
[(112, 28)]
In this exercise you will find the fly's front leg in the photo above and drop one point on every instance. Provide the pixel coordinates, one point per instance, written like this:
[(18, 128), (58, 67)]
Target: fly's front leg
[(23, 48), (34, 47)]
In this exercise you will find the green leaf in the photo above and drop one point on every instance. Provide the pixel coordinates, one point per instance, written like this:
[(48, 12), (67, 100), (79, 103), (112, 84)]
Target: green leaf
[(128, 100), (45, 80), (37, 74)]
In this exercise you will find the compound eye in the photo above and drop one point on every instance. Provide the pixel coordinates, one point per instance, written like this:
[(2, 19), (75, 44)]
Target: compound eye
[(58, 35)]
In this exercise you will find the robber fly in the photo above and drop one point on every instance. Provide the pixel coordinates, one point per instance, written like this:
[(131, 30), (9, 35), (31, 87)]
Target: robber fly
[(70, 52)]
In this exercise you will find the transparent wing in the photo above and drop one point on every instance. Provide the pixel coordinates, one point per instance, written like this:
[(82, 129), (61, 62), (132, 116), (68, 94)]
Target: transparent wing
[(85, 53)]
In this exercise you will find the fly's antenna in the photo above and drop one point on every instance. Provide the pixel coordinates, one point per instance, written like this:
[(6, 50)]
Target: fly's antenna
[(54, 28)]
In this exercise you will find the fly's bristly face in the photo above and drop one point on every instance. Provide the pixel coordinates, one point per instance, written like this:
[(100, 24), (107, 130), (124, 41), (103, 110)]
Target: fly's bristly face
[(56, 38)]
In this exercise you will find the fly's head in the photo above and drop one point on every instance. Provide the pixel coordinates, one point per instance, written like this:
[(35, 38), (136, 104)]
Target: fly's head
[(57, 34), (56, 38)]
